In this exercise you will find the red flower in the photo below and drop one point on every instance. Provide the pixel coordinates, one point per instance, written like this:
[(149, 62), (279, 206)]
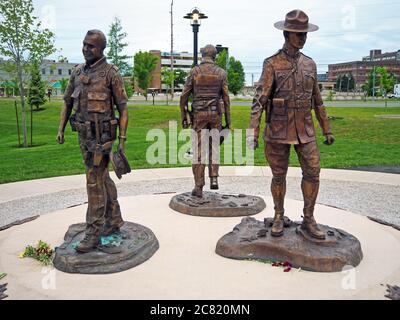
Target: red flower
[(287, 264)]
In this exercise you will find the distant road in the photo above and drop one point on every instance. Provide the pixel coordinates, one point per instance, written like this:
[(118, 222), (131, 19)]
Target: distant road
[(327, 103)]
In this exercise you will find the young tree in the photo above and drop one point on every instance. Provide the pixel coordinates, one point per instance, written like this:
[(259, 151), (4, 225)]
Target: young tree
[(116, 47), (62, 59), (64, 84), (144, 65), (22, 40), (179, 77), (369, 84), (222, 60), (37, 88), (236, 76), (167, 77), (386, 81), (128, 89)]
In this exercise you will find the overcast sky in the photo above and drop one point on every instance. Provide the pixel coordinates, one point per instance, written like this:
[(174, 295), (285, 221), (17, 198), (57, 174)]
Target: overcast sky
[(348, 29)]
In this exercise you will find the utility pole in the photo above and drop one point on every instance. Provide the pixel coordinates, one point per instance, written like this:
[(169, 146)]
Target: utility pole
[(252, 79), (172, 50)]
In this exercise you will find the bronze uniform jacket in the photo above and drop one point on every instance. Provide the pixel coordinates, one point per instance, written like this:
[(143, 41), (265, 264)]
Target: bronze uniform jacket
[(95, 89), (206, 90), (290, 121)]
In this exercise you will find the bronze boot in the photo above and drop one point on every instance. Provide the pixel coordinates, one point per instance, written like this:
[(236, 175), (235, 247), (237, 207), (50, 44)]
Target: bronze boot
[(89, 243), (277, 227), (214, 183), (198, 173), (108, 230), (278, 191), (310, 225), (310, 192), (197, 191)]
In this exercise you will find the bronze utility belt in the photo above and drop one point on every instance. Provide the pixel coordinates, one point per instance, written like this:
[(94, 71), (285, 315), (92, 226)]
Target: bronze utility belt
[(299, 104), (204, 106), (88, 128)]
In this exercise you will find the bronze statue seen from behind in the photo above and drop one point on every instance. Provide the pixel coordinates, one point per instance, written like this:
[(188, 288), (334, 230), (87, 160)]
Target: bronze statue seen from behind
[(208, 84)]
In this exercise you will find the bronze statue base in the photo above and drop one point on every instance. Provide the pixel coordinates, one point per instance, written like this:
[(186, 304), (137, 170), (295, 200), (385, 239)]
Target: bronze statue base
[(133, 245), (251, 239), (217, 205)]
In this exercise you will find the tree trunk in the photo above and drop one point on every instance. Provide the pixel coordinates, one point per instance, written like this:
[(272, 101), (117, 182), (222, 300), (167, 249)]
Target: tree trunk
[(21, 92)]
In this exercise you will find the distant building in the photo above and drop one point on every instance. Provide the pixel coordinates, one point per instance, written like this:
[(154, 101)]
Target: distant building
[(182, 60), (50, 71), (360, 69), (324, 83)]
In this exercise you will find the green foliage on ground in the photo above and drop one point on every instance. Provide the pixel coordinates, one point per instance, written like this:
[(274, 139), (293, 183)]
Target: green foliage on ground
[(42, 252), (362, 139)]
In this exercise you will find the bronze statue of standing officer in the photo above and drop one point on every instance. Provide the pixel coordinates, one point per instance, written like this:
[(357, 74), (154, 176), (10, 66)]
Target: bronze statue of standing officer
[(288, 91), (94, 88), (208, 84)]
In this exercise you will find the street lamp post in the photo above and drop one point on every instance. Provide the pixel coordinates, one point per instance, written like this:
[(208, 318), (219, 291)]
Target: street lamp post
[(195, 16)]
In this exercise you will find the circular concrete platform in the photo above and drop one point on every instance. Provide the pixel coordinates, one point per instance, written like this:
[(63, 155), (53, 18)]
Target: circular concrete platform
[(186, 265)]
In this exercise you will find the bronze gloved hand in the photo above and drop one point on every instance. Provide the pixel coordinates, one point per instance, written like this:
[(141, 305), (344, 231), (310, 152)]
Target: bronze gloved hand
[(329, 139), (60, 137)]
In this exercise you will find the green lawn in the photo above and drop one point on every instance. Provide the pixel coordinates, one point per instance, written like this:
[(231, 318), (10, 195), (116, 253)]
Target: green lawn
[(361, 139)]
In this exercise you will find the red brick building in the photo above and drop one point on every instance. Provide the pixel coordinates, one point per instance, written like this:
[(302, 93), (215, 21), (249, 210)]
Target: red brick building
[(361, 69)]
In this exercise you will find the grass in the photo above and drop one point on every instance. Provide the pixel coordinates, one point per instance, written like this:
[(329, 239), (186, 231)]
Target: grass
[(361, 140)]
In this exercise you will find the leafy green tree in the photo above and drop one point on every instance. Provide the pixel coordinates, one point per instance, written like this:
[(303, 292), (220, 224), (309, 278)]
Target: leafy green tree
[(369, 84), (23, 41), (62, 59), (338, 83), (222, 59), (116, 47), (167, 77), (144, 64), (345, 83), (386, 81), (37, 88), (64, 84), (179, 77), (383, 79), (236, 77), (128, 89)]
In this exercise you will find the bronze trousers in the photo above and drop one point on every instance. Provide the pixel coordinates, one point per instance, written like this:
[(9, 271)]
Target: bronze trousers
[(277, 155), (103, 207), (206, 126)]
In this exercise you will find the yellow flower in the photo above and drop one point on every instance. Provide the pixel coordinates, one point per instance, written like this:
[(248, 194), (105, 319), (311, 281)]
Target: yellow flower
[(22, 255)]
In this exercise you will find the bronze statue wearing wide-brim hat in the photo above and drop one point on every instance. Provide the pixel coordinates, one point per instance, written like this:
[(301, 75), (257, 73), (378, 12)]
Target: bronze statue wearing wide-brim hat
[(296, 21)]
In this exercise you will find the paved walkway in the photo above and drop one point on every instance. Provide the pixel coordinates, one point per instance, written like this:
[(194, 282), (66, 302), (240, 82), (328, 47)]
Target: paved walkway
[(367, 193)]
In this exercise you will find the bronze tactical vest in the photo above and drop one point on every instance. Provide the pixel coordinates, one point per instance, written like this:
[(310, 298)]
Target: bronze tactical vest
[(92, 94), (207, 86)]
